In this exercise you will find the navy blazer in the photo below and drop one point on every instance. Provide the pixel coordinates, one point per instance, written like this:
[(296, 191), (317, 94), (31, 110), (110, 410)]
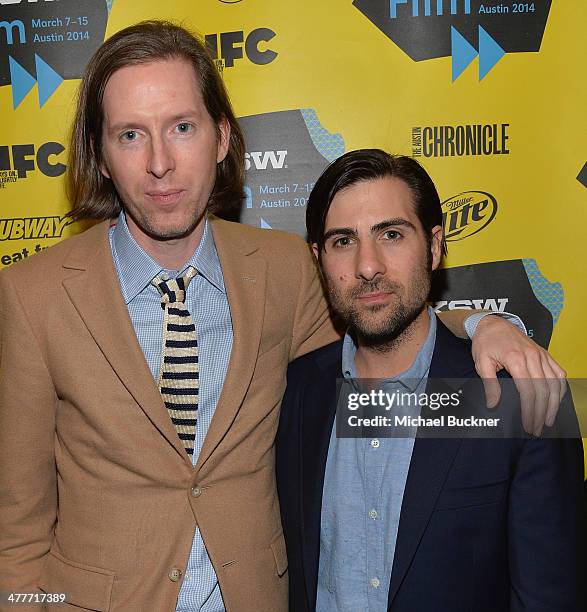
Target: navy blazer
[(485, 526)]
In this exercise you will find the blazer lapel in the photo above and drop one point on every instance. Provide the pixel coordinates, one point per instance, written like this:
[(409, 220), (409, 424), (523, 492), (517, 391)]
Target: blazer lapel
[(319, 410), (92, 286), (244, 279), (431, 461)]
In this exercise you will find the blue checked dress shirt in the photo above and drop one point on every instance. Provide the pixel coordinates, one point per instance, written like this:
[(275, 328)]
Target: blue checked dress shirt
[(364, 487), (207, 302)]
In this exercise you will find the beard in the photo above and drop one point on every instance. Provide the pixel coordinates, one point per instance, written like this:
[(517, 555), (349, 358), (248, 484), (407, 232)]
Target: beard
[(160, 232), (382, 327)]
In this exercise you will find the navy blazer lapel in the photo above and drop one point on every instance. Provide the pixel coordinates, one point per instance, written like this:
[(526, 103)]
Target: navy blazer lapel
[(319, 410), (431, 461)]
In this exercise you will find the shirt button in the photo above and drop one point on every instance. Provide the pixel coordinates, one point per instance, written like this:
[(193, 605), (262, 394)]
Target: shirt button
[(375, 443), (375, 582), (174, 574), (196, 491), (373, 514), (165, 276)]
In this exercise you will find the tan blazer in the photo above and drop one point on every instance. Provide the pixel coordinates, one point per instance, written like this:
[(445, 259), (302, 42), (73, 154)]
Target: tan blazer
[(98, 499)]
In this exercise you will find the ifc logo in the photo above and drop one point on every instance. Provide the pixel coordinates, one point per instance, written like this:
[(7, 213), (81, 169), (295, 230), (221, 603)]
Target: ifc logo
[(467, 213)]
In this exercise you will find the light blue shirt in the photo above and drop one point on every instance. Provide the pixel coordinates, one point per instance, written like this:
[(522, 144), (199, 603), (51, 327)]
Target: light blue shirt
[(363, 491), (207, 302)]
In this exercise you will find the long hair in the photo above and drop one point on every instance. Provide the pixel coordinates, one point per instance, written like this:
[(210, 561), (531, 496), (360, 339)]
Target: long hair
[(91, 194)]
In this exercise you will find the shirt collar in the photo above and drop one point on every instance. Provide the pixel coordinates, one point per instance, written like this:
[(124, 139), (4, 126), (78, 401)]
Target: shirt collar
[(412, 377), (137, 269)]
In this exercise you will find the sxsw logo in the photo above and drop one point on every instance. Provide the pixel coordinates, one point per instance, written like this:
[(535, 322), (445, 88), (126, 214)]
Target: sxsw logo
[(231, 46), (461, 29), (262, 160), (494, 304)]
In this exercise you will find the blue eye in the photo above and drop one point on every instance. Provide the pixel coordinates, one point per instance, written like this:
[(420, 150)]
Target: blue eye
[(391, 235), (184, 128), (129, 135)]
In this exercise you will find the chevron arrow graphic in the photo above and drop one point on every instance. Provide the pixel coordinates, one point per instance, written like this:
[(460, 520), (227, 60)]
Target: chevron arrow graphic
[(463, 53), (47, 78), (22, 81), (490, 52)]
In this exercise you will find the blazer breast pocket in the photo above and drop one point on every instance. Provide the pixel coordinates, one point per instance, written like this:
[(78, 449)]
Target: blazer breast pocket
[(268, 382), (87, 587), (275, 354), (271, 366), (474, 494)]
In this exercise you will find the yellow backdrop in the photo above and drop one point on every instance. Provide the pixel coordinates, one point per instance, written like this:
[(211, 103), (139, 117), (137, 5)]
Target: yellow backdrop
[(490, 95)]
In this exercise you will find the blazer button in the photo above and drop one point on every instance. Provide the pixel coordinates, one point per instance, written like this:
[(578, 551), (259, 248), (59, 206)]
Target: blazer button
[(196, 491), (174, 574)]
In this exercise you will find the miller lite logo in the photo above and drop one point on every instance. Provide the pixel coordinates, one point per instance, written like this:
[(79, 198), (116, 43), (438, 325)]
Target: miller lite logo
[(467, 213)]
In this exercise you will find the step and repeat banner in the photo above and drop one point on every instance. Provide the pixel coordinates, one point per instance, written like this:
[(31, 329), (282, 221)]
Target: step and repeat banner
[(489, 96)]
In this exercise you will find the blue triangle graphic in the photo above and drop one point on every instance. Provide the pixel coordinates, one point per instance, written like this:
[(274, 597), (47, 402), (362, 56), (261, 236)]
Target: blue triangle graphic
[(489, 53), (264, 224), (22, 82), (463, 53), (47, 78)]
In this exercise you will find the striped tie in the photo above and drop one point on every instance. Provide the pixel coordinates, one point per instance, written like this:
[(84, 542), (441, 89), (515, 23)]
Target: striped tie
[(179, 377)]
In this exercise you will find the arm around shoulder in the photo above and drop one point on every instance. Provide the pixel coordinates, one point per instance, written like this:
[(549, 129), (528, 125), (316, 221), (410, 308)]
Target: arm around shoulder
[(455, 320)]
